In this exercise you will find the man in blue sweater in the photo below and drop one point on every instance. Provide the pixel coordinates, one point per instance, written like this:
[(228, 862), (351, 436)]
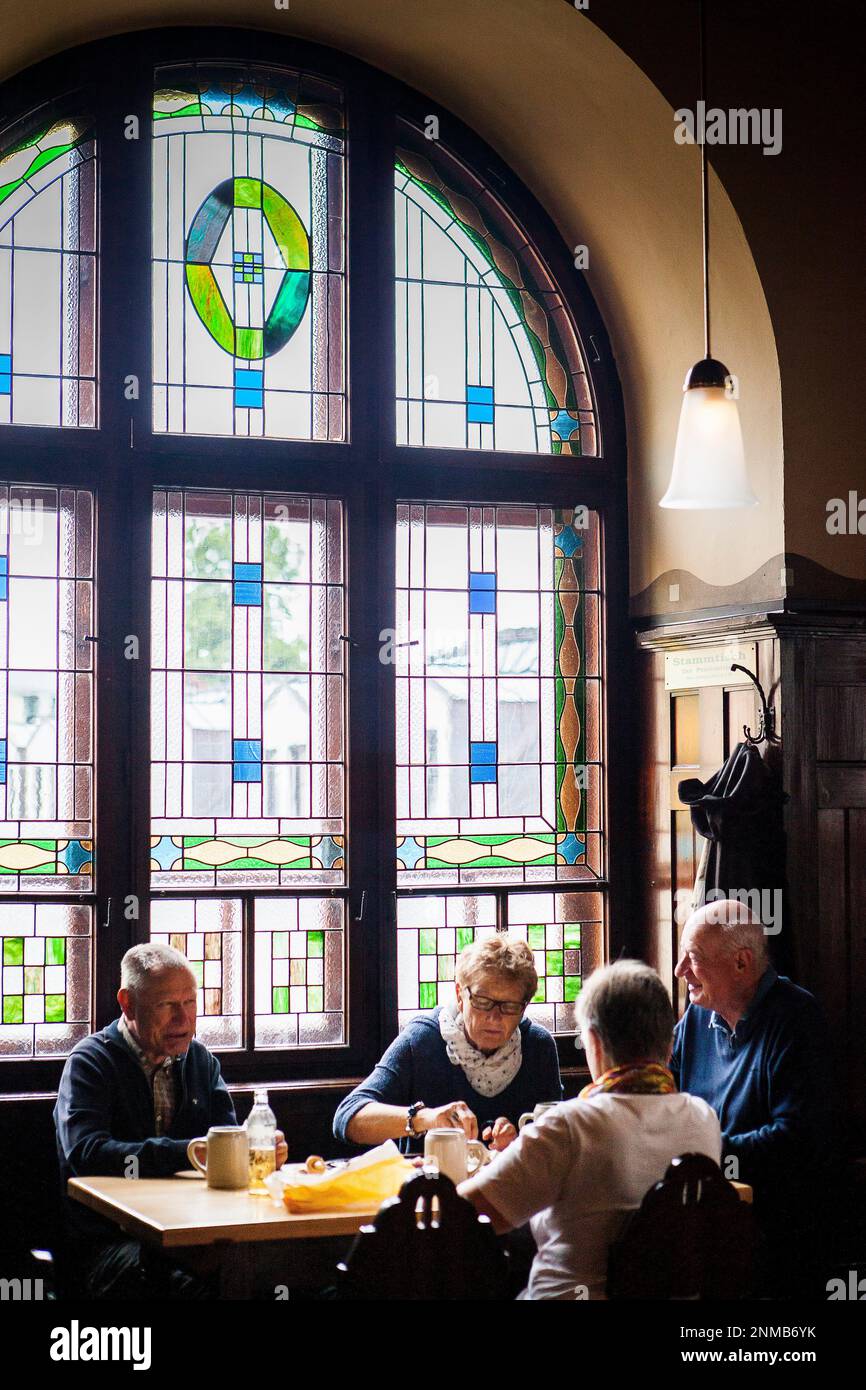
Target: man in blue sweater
[(130, 1099), (754, 1046)]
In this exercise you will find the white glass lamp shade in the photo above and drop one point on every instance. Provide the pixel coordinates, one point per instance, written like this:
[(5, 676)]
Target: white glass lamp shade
[(709, 471)]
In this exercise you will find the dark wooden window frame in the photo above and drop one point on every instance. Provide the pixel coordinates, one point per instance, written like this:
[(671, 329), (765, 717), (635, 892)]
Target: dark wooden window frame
[(123, 461)]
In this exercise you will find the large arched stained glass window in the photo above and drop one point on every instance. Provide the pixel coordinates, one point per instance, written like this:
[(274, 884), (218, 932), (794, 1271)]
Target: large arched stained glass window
[(345, 709), (48, 274), (248, 246), (487, 355)]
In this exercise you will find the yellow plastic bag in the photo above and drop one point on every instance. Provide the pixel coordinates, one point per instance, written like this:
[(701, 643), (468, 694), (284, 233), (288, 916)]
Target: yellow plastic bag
[(364, 1183)]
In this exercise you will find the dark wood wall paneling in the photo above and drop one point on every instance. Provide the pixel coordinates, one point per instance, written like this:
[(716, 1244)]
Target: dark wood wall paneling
[(817, 673), (838, 697)]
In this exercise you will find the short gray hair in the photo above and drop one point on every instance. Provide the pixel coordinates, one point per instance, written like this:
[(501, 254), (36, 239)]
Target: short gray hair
[(507, 956), (141, 963), (739, 928), (627, 1007)]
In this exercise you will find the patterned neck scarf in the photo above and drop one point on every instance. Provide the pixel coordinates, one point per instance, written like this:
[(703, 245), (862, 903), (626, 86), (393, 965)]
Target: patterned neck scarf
[(486, 1075), (160, 1076), (633, 1079)]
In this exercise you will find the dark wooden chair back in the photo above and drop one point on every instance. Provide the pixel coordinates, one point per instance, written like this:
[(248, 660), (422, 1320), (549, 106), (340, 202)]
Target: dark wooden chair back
[(426, 1243), (691, 1238)]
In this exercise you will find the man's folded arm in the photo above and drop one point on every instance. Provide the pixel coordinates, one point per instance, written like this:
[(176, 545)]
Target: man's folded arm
[(83, 1129), (798, 1128)]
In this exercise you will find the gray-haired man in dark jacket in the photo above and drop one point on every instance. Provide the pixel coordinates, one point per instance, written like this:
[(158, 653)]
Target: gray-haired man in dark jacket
[(130, 1099)]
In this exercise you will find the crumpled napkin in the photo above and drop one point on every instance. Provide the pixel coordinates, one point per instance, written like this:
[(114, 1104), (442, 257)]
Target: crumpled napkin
[(365, 1181)]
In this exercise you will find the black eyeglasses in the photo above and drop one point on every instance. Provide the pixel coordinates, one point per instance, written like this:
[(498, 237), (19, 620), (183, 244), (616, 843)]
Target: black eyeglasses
[(507, 1007)]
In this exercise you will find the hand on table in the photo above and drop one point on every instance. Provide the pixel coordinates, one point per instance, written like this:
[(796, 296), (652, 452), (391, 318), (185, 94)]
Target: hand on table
[(455, 1115), (500, 1134), (282, 1148)]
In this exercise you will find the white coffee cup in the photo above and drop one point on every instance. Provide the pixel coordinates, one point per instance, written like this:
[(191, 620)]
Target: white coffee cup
[(455, 1155), (539, 1110), (227, 1156)]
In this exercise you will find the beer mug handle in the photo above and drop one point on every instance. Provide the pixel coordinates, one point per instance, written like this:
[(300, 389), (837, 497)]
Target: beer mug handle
[(193, 1156), (475, 1149), (525, 1120)]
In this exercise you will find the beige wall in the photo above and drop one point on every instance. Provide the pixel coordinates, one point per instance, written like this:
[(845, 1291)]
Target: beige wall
[(593, 138)]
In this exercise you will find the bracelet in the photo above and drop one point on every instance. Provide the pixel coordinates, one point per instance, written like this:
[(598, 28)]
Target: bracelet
[(411, 1112)]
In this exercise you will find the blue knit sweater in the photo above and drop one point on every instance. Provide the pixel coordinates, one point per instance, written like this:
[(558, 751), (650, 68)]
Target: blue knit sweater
[(104, 1115), (769, 1082), (416, 1067)]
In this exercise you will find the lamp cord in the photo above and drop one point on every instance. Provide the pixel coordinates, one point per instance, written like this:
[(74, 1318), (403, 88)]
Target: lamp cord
[(705, 191)]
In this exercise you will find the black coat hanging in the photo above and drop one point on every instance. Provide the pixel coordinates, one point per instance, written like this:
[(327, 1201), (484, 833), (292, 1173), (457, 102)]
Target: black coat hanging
[(739, 813)]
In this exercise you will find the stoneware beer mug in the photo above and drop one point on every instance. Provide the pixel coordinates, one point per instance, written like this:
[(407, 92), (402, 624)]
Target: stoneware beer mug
[(227, 1156), (455, 1155), (527, 1119)]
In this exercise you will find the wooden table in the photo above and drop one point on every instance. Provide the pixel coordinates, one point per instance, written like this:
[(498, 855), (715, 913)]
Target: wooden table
[(230, 1233), (247, 1242)]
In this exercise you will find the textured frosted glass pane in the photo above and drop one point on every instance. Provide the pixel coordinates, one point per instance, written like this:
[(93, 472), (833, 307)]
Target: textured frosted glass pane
[(565, 932), (431, 933), (48, 276), (209, 934), (487, 357), (248, 253), (46, 702), (299, 972), (45, 978), (498, 733)]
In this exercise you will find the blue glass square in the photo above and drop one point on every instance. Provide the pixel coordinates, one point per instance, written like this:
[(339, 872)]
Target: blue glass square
[(247, 750), (482, 753), (4, 564), (247, 760), (248, 595), (246, 772), (248, 569), (482, 602), (482, 774), (249, 387), (2, 774), (482, 592), (482, 759), (3, 753), (248, 585), (479, 405), (4, 589)]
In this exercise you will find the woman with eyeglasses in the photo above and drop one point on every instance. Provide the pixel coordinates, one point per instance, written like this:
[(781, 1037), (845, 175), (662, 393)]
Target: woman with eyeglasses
[(476, 1064)]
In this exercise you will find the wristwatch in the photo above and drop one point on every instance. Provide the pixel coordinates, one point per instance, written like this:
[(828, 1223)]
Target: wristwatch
[(411, 1112)]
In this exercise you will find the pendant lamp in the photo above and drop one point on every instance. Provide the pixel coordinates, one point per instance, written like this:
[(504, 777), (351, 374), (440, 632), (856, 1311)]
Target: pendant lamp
[(709, 469)]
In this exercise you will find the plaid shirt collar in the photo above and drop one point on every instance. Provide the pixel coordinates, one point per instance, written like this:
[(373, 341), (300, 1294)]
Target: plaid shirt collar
[(147, 1066)]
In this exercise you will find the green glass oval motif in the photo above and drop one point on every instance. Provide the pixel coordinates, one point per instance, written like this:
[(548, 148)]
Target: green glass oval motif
[(293, 245)]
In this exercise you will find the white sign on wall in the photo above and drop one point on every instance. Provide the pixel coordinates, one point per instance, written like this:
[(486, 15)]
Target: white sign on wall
[(698, 666)]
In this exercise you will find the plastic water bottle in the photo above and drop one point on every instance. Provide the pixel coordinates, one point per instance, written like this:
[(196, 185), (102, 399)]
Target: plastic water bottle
[(261, 1127)]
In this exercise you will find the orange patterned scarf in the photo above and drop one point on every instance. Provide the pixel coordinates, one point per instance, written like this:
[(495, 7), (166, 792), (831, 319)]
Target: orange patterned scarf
[(635, 1079)]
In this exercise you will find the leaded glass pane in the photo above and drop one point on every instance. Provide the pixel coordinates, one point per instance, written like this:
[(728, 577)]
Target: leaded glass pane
[(300, 971), (564, 930), (209, 933), (46, 690), (487, 355), (248, 253), (498, 694), (45, 980), (247, 721), (431, 933), (48, 345)]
